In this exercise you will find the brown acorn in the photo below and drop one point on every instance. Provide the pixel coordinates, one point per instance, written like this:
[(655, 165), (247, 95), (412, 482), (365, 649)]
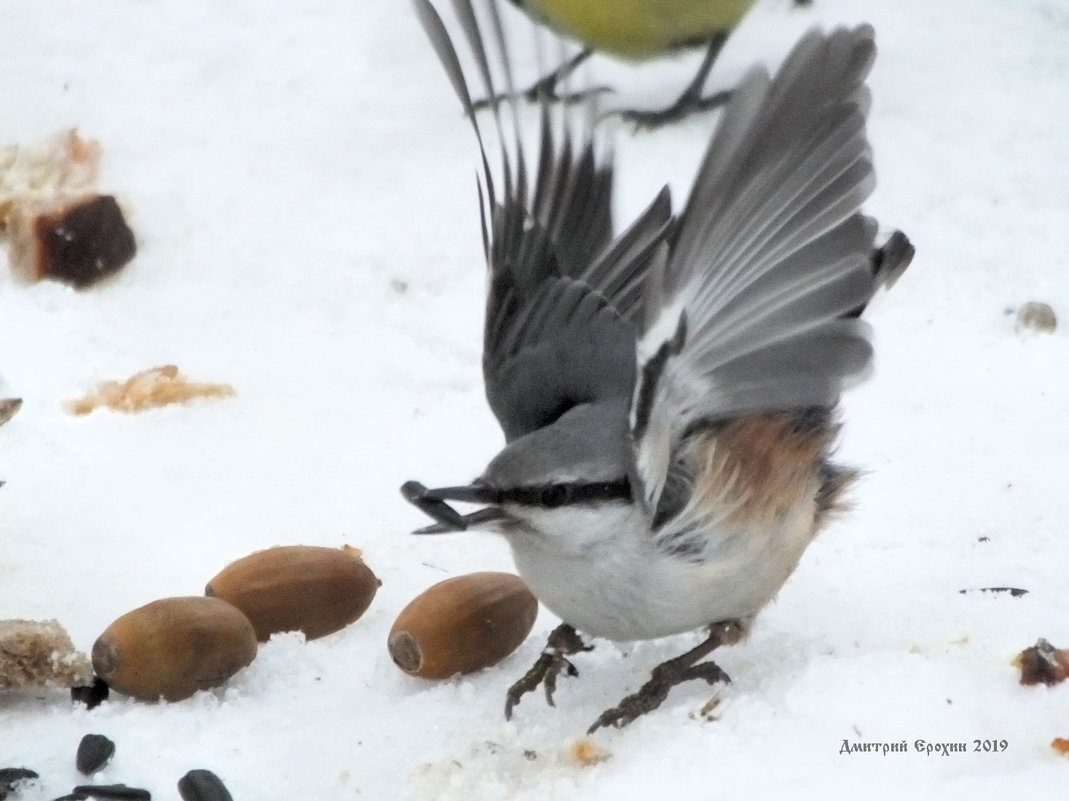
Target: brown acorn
[(462, 625), (174, 647), (298, 588)]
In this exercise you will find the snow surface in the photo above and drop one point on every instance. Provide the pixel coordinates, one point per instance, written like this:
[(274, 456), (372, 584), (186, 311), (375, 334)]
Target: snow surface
[(301, 184)]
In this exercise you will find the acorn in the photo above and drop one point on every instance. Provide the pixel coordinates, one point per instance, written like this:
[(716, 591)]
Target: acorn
[(173, 647), (298, 588), (462, 625)]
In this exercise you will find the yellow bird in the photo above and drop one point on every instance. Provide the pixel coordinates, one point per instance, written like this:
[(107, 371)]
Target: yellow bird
[(636, 30)]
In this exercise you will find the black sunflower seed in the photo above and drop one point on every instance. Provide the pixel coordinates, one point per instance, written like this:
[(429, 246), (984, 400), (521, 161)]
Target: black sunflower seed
[(12, 775), (94, 751), (116, 791), (9, 776), (203, 785)]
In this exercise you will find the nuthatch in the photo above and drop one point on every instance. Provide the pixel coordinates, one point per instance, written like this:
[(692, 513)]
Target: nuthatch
[(667, 394)]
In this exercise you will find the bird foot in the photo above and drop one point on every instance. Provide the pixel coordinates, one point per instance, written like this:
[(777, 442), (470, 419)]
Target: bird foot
[(688, 103), (545, 88), (668, 674), (693, 98), (563, 642), (653, 692)]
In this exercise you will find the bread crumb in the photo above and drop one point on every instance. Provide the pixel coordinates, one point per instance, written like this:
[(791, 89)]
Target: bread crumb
[(586, 752), (148, 389), (35, 653), (63, 166), (1061, 745), (1043, 664), (80, 240), (59, 226)]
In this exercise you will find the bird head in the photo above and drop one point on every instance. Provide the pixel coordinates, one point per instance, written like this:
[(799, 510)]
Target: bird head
[(577, 464)]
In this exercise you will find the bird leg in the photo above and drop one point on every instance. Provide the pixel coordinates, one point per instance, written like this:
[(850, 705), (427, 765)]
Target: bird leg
[(545, 88), (668, 674), (691, 101), (563, 642)]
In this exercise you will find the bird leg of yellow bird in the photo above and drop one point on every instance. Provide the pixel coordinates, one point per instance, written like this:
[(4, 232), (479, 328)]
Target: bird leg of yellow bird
[(691, 101), (545, 88), (667, 675)]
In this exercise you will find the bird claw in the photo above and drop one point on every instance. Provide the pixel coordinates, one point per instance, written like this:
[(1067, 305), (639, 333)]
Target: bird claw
[(577, 97), (686, 105), (549, 682), (563, 642), (675, 671), (542, 91), (545, 672), (653, 693)]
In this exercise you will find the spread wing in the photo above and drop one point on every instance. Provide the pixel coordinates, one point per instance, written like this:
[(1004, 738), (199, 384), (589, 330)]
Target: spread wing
[(563, 293), (748, 313)]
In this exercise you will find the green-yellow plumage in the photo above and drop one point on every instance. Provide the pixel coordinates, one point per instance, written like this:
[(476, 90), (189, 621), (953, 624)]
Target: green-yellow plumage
[(638, 29)]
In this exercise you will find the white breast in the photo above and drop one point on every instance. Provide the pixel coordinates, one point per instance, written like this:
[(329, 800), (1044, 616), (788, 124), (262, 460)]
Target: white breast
[(601, 572)]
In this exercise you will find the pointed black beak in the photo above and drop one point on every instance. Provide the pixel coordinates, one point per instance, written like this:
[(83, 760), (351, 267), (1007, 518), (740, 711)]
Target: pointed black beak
[(433, 503)]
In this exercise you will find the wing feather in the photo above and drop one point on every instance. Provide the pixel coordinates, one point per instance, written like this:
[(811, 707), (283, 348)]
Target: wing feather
[(562, 292), (770, 253)]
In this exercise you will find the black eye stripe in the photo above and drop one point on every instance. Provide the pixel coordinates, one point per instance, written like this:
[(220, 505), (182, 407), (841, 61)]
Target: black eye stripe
[(555, 495), (552, 496)]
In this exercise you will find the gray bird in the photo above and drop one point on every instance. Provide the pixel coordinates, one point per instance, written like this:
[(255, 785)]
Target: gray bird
[(667, 393)]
